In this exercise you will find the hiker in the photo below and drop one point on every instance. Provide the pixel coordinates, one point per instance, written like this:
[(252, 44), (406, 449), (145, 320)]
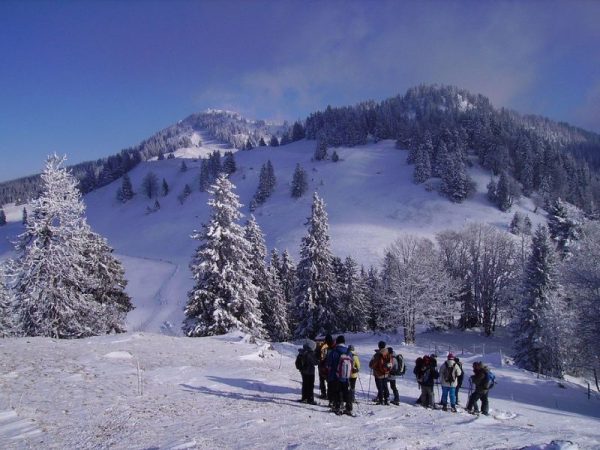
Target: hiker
[(481, 383), (355, 370), (460, 378), (397, 370), (381, 364), (427, 376), (417, 372), (323, 349), (339, 365), (305, 363), (449, 373)]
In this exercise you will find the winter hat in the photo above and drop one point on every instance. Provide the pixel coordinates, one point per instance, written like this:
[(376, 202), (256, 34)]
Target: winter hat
[(340, 339), (329, 339), (381, 345), (450, 355), (390, 350), (310, 345)]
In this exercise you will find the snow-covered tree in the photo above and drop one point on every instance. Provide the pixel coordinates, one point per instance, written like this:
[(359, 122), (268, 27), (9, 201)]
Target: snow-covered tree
[(2, 217), (540, 329), (24, 217), (150, 185), (205, 177), (64, 285), (417, 290), (456, 183), (299, 182), (274, 142), (224, 296), (266, 184), (372, 296), (314, 299), (275, 308), (520, 224), (125, 192), (422, 166), (289, 279), (229, 165), (6, 308), (320, 150), (353, 304), (563, 228)]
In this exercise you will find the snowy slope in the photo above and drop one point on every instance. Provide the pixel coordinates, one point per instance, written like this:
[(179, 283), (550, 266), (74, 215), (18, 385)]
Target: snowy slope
[(228, 393), (371, 200)]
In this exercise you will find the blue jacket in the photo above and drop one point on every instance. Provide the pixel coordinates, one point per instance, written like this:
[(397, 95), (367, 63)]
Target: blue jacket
[(333, 358)]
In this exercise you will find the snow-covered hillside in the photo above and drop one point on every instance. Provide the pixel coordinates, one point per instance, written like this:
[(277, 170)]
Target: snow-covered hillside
[(142, 390), (371, 200)]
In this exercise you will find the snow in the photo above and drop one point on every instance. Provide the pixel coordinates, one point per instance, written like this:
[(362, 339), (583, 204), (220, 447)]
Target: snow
[(229, 392)]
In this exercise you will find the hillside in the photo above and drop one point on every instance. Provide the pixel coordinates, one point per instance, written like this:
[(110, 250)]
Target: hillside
[(371, 200), (142, 390)]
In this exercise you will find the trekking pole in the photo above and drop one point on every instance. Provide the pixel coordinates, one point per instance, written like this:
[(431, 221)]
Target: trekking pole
[(361, 387), (369, 392)]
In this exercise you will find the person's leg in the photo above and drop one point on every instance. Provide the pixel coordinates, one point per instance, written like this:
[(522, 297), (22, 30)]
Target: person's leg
[(445, 391), (334, 394), (427, 397), (353, 389), (347, 396), (456, 393), (395, 391), (386, 391), (310, 392), (322, 387), (452, 393), (485, 406), (379, 382)]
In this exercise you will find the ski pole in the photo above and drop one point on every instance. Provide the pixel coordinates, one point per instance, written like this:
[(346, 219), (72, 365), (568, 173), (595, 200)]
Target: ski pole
[(361, 386), (369, 392)]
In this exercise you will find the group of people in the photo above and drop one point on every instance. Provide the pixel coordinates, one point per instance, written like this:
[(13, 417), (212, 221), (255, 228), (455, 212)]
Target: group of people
[(338, 367)]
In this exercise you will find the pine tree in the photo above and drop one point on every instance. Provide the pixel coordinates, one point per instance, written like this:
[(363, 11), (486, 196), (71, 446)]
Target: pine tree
[(314, 300), (214, 165), (161, 156), (6, 308), (564, 230), (224, 296), (125, 193), (297, 132), (24, 217), (456, 183), (299, 182), (441, 160), (229, 165), (539, 334), (320, 150), (275, 308), (353, 305), (422, 166), (373, 298), (183, 167), (274, 142), (504, 192), (2, 217), (55, 277), (150, 185), (165, 188), (289, 280), (335, 157), (205, 178), (249, 145), (262, 143)]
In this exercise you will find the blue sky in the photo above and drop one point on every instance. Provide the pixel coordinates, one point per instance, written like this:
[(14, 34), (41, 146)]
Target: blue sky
[(90, 78)]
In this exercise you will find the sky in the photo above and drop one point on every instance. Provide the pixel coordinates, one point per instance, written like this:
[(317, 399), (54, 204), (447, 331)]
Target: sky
[(88, 79)]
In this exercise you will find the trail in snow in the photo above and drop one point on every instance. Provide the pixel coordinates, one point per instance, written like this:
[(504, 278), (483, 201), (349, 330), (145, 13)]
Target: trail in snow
[(14, 429)]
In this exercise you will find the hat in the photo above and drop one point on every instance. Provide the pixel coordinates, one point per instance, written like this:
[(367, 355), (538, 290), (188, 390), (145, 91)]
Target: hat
[(390, 349), (381, 345), (450, 355), (340, 339), (351, 348)]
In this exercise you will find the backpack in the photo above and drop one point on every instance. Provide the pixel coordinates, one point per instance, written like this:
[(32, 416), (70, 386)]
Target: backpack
[(490, 379), (344, 367), (399, 368), (449, 374), (300, 361), (379, 363)]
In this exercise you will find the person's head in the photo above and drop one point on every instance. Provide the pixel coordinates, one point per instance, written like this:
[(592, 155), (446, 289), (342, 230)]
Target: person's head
[(450, 356), (475, 365), (329, 340), (340, 339), (426, 360), (390, 350), (419, 361), (351, 348), (381, 345), (456, 360)]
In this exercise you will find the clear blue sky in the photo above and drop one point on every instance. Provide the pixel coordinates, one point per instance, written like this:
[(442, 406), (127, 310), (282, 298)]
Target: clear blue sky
[(90, 78)]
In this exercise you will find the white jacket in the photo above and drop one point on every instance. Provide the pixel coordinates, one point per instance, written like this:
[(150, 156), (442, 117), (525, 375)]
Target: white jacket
[(449, 367)]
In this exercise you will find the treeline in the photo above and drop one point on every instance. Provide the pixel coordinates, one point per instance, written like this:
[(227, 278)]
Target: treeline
[(443, 126)]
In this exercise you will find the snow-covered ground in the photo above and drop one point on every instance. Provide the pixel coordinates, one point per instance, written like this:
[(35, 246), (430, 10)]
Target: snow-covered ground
[(142, 390)]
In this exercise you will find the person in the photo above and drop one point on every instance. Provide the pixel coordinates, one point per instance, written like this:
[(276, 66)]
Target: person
[(308, 361), (427, 376), (480, 382), (449, 373), (417, 372), (396, 370), (339, 385), (381, 364), (460, 378), (323, 349), (355, 370)]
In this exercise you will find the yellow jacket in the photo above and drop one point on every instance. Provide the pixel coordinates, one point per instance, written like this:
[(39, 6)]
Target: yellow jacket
[(356, 367)]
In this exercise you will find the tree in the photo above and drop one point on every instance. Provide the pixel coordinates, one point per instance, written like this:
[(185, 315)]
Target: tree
[(353, 304), (299, 182), (24, 217), (2, 217), (520, 224), (65, 281), (289, 279), (205, 178), (187, 191), (274, 142), (422, 166), (539, 332), (224, 296), (563, 228), (150, 185), (266, 184), (6, 308), (314, 300), (161, 156), (165, 188), (335, 157), (229, 165), (125, 192), (456, 183), (183, 167), (417, 289), (261, 142), (297, 132), (320, 150)]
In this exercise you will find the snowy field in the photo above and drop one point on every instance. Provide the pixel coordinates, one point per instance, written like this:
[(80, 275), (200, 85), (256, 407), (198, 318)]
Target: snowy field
[(228, 393)]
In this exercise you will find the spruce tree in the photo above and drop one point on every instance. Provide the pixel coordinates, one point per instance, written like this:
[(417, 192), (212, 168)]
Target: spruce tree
[(297, 132), (24, 217), (57, 275), (299, 182), (165, 188), (125, 193), (422, 166), (6, 308), (275, 308), (353, 303), (564, 230), (2, 217), (266, 184), (150, 185), (289, 280), (274, 142), (205, 178), (224, 296), (262, 143), (314, 300), (335, 157), (320, 150), (538, 333), (183, 167), (229, 165)]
